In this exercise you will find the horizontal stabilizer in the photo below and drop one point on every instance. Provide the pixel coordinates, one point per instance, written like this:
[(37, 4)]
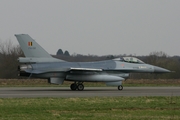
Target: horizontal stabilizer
[(34, 71)]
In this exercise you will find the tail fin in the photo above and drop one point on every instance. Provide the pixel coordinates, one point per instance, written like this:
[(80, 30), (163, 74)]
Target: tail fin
[(32, 49)]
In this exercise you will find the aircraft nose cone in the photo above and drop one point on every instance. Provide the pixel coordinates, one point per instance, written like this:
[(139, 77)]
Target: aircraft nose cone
[(160, 70)]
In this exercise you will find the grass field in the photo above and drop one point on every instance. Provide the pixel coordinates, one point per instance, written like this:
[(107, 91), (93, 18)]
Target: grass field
[(97, 108), (128, 82)]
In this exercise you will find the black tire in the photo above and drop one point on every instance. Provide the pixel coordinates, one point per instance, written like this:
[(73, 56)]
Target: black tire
[(73, 86), (80, 87), (120, 87)]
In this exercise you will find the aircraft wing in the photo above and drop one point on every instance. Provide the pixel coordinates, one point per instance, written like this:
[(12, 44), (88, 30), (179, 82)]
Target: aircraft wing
[(85, 69), (70, 70)]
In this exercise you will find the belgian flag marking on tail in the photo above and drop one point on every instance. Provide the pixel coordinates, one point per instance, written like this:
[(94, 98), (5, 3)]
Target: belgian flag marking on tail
[(29, 43)]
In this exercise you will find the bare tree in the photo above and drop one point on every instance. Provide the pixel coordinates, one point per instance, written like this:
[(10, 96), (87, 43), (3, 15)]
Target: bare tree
[(8, 62)]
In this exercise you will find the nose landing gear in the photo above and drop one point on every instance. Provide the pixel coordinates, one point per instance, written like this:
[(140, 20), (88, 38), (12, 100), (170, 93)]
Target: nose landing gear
[(120, 87)]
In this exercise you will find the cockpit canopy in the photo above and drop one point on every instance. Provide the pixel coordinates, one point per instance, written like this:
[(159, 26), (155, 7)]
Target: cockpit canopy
[(129, 60)]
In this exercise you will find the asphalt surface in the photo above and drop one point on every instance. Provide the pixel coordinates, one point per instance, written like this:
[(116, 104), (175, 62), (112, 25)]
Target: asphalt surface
[(65, 92)]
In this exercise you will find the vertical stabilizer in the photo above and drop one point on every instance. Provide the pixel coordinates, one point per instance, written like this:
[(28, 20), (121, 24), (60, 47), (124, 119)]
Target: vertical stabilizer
[(33, 50), (30, 47)]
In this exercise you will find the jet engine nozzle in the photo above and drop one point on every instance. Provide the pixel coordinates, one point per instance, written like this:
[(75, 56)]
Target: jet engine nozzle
[(24, 67)]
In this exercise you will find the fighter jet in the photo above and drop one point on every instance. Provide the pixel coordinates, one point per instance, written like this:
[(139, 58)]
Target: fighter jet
[(38, 63)]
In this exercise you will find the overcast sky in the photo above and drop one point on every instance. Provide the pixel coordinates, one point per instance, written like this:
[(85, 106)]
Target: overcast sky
[(97, 27)]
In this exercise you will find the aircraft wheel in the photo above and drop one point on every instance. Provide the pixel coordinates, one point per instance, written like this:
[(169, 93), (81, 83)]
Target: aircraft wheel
[(73, 86), (120, 87), (80, 87)]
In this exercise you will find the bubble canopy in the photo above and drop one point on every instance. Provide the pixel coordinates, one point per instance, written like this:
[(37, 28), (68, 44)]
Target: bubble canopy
[(129, 60)]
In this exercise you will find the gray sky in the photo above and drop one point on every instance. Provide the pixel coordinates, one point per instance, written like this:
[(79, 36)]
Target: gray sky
[(98, 27)]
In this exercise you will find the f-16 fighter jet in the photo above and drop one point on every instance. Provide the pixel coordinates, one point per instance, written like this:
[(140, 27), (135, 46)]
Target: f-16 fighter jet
[(38, 63)]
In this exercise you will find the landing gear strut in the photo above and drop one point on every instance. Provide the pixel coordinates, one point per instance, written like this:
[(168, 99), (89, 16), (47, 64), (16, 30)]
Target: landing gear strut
[(120, 87), (77, 86)]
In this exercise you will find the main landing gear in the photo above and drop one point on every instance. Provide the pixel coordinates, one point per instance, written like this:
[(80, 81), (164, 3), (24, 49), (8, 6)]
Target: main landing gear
[(120, 87), (77, 86)]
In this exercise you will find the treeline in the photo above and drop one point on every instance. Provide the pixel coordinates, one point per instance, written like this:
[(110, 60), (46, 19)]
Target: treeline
[(160, 59), (9, 54), (8, 59)]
